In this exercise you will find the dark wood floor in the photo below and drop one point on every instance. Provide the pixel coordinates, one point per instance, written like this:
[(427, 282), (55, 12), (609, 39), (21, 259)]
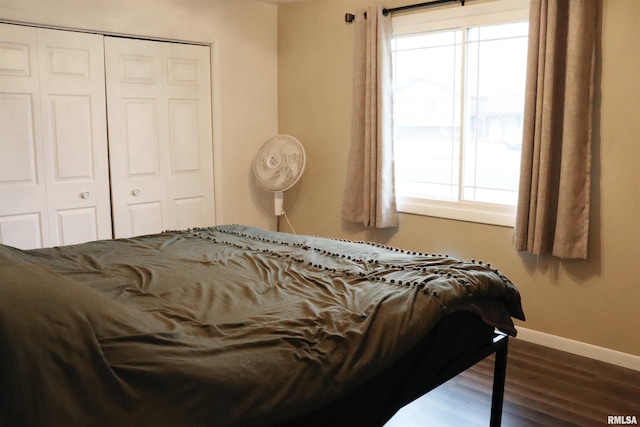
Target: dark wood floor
[(544, 387)]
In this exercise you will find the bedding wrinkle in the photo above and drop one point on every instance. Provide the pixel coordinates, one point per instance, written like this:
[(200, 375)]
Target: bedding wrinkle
[(144, 276)]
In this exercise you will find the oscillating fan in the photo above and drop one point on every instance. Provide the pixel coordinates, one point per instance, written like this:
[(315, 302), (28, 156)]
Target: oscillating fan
[(278, 166)]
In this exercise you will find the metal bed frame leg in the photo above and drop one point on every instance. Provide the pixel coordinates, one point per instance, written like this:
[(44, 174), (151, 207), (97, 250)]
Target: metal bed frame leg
[(499, 376)]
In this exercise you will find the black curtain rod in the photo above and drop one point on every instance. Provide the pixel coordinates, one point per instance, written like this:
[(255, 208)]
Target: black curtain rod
[(349, 17)]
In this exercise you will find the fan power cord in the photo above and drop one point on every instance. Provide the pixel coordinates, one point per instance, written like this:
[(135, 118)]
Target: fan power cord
[(288, 222)]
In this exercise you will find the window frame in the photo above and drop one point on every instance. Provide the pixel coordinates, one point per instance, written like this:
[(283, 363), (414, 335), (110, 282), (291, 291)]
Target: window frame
[(481, 13)]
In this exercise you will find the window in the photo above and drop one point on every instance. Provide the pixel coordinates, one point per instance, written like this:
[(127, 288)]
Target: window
[(459, 79)]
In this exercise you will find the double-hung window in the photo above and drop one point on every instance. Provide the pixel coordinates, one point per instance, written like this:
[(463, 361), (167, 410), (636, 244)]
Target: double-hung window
[(459, 80)]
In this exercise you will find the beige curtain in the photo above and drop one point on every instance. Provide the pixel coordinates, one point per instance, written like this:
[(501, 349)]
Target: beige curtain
[(555, 180), (369, 193)]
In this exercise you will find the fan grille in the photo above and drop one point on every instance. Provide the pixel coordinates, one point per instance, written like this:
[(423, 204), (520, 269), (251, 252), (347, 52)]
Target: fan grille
[(279, 163)]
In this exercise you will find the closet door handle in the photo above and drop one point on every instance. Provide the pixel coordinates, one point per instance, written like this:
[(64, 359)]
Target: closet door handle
[(135, 192), (85, 195)]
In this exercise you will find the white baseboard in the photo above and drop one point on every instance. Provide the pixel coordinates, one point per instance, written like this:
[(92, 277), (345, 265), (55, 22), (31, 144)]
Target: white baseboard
[(602, 354)]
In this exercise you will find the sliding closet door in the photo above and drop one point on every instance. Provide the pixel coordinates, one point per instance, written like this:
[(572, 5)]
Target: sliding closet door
[(75, 135), (54, 180), (160, 142), (23, 191)]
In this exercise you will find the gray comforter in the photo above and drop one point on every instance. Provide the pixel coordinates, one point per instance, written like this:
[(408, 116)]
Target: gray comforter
[(230, 325)]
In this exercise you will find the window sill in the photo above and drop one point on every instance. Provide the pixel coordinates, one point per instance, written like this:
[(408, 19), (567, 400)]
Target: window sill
[(483, 213)]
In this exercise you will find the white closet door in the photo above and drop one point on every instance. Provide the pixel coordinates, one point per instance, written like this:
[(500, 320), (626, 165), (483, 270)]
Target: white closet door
[(23, 191), (54, 180), (160, 142), (75, 135)]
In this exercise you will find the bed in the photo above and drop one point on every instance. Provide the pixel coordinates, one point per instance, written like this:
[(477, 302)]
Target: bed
[(238, 326)]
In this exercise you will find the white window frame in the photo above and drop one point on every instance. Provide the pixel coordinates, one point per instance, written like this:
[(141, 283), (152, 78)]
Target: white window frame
[(474, 14)]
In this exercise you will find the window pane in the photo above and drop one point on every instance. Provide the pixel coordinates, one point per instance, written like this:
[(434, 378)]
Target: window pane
[(427, 113), (445, 38), (503, 31), (494, 103)]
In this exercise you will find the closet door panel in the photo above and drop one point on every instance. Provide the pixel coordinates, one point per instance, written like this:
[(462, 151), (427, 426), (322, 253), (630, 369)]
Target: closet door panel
[(18, 164), (190, 180), (76, 225), (22, 231), (72, 138), (159, 102), (139, 192), (187, 184), (189, 211), (146, 218), (74, 129), (23, 190), (141, 137), (137, 142)]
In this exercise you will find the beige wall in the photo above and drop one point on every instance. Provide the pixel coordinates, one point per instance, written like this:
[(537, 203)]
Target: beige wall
[(595, 301), (244, 72)]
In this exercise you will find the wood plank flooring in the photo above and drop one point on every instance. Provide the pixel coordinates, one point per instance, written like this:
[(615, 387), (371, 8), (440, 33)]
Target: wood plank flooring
[(544, 387)]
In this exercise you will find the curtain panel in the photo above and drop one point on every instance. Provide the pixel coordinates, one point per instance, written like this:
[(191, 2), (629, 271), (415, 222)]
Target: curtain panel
[(369, 193), (555, 180)]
